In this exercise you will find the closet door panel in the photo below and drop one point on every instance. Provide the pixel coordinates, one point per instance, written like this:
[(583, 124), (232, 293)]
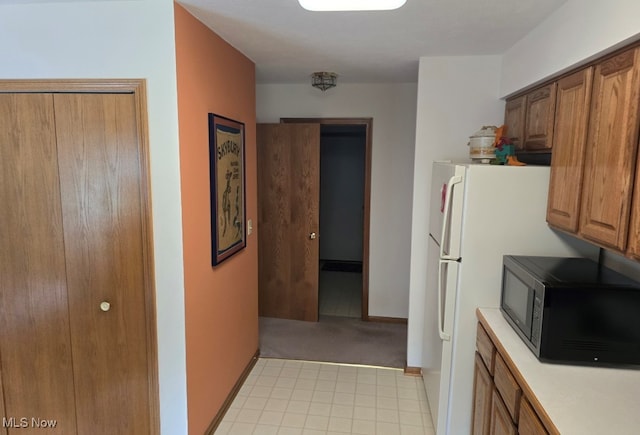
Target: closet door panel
[(99, 154), (35, 351)]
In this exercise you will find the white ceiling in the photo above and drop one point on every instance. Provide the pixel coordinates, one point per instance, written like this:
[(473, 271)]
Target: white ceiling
[(288, 43)]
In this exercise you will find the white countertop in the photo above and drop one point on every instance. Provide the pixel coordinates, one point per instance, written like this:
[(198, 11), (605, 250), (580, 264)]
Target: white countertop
[(579, 400)]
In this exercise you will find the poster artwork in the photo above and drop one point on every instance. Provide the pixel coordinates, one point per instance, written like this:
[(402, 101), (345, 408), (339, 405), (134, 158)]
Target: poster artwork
[(227, 160)]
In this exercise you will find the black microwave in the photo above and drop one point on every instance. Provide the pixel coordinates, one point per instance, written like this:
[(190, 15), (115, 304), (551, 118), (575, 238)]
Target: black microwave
[(572, 310)]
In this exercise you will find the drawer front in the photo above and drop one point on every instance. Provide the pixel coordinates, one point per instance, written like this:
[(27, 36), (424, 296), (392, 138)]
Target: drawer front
[(508, 388), (529, 423), (486, 349)]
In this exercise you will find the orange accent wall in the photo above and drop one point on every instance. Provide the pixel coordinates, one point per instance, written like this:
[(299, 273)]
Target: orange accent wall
[(221, 302)]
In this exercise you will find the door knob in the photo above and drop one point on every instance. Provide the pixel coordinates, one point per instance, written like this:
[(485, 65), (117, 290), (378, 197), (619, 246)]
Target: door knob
[(105, 306), (312, 236)]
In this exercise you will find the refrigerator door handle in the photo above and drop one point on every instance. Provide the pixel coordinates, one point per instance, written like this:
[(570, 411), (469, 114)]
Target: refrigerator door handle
[(443, 336), (456, 179)]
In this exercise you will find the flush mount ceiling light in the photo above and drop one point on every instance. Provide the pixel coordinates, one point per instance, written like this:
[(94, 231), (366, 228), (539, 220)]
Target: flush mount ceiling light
[(324, 80), (351, 5)]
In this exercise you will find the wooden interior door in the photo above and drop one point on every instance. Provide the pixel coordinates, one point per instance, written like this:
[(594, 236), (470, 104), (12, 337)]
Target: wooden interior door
[(288, 220), (35, 349), (98, 154)]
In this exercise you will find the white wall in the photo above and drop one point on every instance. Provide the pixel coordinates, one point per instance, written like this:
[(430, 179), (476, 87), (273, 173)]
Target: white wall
[(122, 39), (456, 96), (579, 30), (392, 107)]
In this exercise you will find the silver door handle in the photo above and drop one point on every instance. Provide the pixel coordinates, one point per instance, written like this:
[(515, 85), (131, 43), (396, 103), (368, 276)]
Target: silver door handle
[(312, 236)]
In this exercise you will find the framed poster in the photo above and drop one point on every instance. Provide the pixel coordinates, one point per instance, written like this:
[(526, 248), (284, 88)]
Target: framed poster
[(227, 178)]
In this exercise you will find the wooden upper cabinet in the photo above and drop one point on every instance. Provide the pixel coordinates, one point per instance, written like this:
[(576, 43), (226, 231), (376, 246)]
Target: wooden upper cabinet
[(540, 111), (569, 139), (612, 142), (633, 249), (514, 119)]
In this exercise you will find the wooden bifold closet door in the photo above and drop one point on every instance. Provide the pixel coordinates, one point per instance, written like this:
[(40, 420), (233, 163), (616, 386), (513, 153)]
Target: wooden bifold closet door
[(74, 341)]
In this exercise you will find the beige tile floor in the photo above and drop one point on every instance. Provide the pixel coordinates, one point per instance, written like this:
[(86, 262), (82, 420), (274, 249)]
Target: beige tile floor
[(287, 397)]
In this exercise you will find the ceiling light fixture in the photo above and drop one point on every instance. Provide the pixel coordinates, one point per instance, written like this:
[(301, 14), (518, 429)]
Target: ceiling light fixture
[(324, 80), (351, 5)]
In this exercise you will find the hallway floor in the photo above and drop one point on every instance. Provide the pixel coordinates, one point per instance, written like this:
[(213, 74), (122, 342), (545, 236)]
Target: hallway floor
[(287, 397), (340, 294)]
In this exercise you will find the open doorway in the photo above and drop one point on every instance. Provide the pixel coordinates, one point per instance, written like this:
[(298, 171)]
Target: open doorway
[(345, 180), (342, 168)]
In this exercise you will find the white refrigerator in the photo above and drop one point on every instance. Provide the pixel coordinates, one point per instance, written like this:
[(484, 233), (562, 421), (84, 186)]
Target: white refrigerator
[(478, 213)]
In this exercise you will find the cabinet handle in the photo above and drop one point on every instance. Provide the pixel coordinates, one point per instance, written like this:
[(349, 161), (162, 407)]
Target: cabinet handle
[(105, 306), (312, 236)]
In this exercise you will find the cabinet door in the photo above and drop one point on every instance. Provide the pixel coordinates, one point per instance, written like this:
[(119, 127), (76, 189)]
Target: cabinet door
[(482, 392), (508, 387), (611, 150), (529, 423), (35, 349), (569, 139), (540, 111), (514, 119), (634, 231), (501, 423)]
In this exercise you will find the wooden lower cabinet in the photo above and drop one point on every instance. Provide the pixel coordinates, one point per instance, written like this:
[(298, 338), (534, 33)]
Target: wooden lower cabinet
[(500, 406), (529, 423), (482, 394), (501, 422)]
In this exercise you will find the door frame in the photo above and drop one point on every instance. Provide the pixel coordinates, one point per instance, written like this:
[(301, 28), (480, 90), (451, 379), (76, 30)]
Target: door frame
[(368, 123), (137, 87)]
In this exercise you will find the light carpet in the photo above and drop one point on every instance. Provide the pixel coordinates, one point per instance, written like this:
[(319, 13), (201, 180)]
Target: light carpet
[(335, 339)]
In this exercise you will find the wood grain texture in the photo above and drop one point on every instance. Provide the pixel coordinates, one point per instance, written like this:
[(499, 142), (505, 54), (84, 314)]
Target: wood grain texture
[(611, 151), (36, 359), (3, 415), (288, 200), (514, 119), (482, 397), (486, 349), (539, 124), (508, 387), (569, 141), (633, 245), (305, 217), (98, 154), (501, 423), (527, 392), (529, 423)]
